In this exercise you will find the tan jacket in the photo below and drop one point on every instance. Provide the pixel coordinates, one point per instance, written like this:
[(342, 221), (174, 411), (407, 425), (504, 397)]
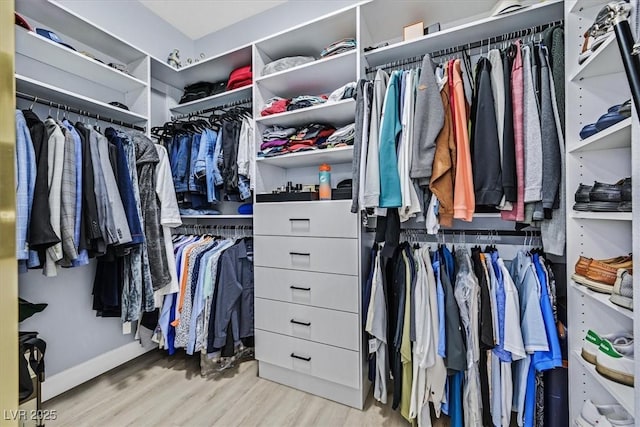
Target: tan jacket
[(444, 164)]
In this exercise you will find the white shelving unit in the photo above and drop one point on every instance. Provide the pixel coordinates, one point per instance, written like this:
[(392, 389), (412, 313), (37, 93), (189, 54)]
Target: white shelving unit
[(591, 88), (310, 158), (481, 29), (337, 113), (616, 136), (62, 96), (213, 101), (623, 394), (601, 298)]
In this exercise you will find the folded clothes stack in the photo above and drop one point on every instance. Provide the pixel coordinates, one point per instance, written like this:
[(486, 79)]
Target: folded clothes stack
[(341, 137), (338, 47), (278, 105), (602, 197), (277, 141), (305, 101), (286, 63), (240, 77)]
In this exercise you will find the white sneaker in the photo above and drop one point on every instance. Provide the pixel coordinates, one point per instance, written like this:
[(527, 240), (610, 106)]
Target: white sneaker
[(616, 362), (602, 416), (592, 341)]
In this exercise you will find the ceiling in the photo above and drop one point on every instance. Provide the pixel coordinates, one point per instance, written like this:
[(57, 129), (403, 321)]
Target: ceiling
[(198, 18)]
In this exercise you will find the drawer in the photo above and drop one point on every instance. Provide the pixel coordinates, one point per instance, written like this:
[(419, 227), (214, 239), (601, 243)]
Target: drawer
[(317, 219), (334, 291), (309, 254), (318, 360), (310, 323)]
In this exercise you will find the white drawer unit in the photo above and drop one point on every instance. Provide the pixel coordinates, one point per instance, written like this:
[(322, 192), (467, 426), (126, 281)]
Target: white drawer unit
[(318, 360), (313, 219), (322, 255), (333, 291), (321, 325)]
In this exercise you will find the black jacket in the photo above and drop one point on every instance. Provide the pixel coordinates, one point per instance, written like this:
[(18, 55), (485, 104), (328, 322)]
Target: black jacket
[(509, 180), (485, 147), (41, 234)]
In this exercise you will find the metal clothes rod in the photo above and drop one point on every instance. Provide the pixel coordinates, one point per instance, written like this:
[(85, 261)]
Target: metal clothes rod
[(467, 46), (219, 230), (508, 237), (68, 109), (216, 108)]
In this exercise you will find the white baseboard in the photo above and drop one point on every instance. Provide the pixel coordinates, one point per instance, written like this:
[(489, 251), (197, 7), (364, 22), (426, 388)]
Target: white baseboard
[(73, 377)]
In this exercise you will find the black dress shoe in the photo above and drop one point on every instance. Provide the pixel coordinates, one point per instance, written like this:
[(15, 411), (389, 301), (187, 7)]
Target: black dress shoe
[(626, 190), (582, 194), (602, 192)]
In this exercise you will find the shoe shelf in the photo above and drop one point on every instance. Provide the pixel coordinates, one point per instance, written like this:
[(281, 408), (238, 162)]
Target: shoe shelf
[(605, 60), (606, 216), (214, 101), (310, 158), (620, 392), (336, 113), (602, 299), (616, 136)]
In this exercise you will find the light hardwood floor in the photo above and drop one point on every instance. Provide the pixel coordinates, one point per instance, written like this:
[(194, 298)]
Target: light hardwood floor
[(160, 390)]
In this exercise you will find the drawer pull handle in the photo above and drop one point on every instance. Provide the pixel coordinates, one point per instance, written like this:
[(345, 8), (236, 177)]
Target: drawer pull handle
[(297, 322), (298, 288), (306, 359), (299, 219), (300, 254)]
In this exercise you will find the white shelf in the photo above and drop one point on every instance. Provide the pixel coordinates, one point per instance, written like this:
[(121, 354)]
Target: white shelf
[(217, 216), (601, 299), (616, 136), (485, 28), (62, 96), (605, 60), (315, 78), (620, 392), (64, 21), (607, 216), (46, 51), (335, 113), (214, 101), (214, 69), (310, 158)]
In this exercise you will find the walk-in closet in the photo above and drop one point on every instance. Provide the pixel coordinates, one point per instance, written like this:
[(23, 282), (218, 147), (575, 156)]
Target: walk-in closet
[(304, 213)]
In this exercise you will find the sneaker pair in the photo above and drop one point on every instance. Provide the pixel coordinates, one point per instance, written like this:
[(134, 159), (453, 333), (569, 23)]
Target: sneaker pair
[(622, 293), (602, 416), (612, 354)]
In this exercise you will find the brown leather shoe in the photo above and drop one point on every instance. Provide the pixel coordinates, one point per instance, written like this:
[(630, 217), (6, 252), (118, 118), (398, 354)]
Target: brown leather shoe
[(601, 276), (583, 263)]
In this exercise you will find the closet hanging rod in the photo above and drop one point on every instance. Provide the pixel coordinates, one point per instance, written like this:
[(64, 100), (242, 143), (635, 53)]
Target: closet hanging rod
[(68, 109), (467, 46), (244, 230), (216, 108), (509, 237)]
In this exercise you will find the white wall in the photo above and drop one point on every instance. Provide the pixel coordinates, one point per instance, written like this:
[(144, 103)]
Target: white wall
[(131, 21), (269, 22)]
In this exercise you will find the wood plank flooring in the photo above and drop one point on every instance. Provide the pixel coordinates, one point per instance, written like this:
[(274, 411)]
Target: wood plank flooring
[(160, 390)]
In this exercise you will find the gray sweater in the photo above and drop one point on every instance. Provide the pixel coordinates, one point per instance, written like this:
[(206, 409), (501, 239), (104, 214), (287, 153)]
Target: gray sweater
[(428, 121)]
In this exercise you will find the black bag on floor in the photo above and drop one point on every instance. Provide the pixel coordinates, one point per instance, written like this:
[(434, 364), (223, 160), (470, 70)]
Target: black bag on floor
[(35, 347)]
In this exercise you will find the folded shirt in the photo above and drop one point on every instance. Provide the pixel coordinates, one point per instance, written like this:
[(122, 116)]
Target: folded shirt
[(277, 132), (312, 131), (240, 77), (273, 143), (338, 47), (286, 63), (344, 92), (274, 106)]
